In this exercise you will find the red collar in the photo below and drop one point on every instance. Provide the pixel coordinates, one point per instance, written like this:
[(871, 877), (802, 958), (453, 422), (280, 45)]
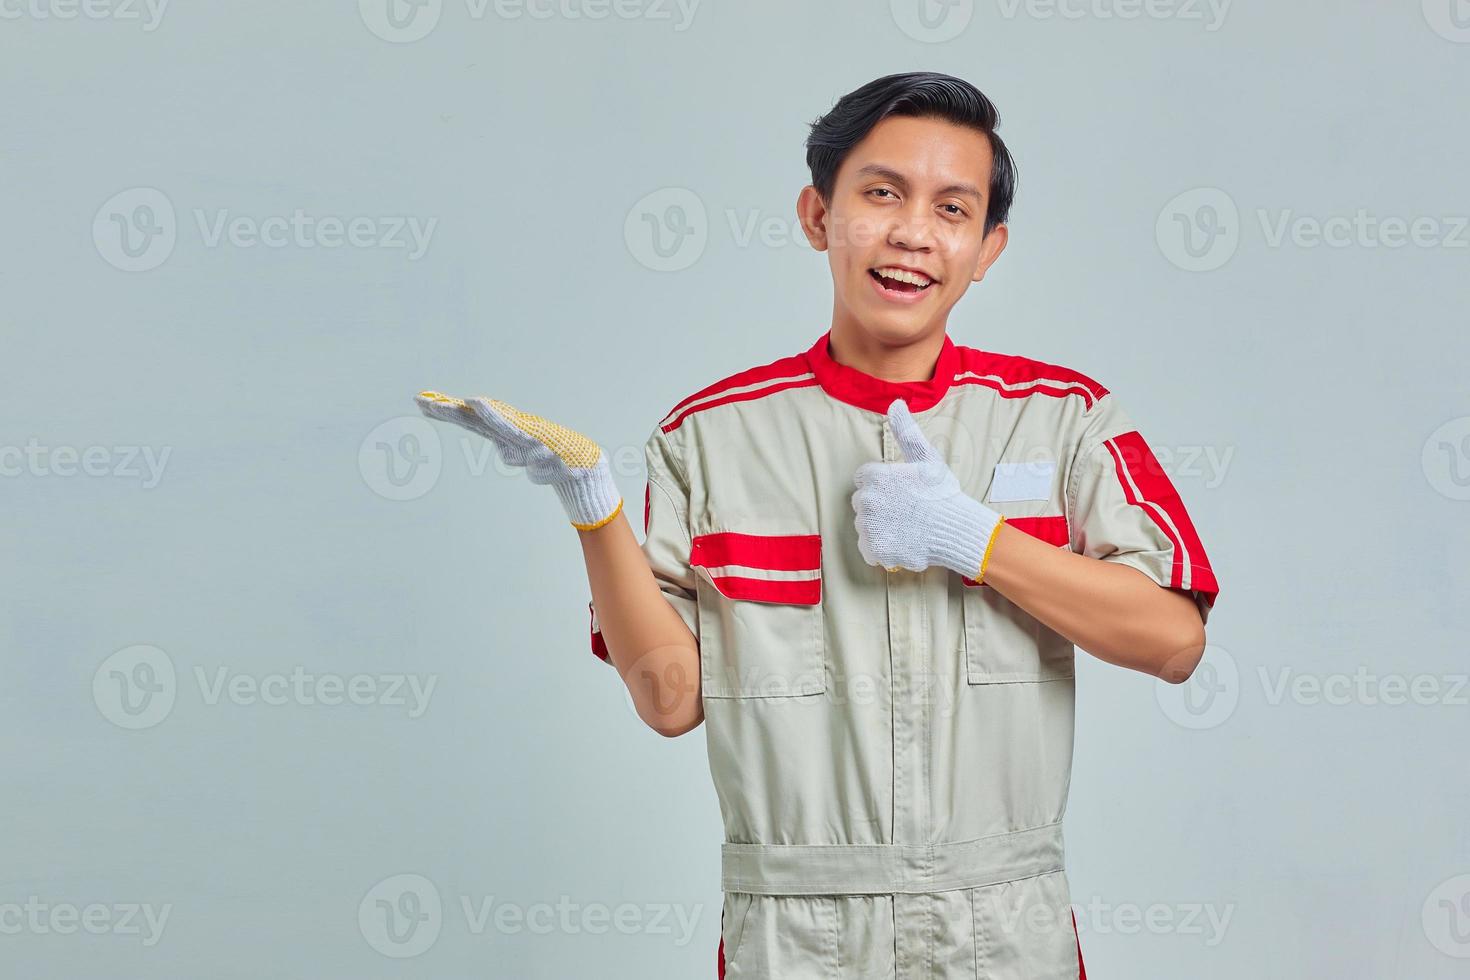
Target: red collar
[(848, 384)]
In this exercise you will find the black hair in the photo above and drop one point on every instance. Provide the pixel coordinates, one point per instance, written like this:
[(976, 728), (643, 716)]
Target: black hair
[(916, 93)]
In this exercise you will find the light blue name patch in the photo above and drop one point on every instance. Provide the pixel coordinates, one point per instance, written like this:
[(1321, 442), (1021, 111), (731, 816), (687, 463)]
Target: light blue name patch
[(1023, 481)]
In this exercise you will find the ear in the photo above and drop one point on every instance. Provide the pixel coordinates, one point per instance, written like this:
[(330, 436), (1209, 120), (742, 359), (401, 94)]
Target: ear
[(812, 214), (990, 250)]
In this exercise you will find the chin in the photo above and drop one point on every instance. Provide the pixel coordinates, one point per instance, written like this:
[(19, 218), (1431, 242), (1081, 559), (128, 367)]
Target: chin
[(895, 328)]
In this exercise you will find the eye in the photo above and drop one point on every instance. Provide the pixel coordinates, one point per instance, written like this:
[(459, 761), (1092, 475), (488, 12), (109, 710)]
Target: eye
[(957, 212), (881, 190)]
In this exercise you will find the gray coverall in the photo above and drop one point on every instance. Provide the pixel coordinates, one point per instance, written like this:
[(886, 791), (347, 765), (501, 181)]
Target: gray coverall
[(892, 750)]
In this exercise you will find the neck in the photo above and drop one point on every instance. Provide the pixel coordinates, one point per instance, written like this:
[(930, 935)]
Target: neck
[(906, 360)]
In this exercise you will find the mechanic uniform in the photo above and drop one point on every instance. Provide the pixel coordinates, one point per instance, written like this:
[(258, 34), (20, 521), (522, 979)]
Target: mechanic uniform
[(892, 750)]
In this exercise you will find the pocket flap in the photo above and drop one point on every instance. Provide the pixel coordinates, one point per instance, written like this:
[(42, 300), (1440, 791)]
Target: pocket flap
[(761, 567)]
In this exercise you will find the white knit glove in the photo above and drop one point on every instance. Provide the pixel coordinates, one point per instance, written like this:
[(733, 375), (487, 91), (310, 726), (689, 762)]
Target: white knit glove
[(914, 514), (574, 466)]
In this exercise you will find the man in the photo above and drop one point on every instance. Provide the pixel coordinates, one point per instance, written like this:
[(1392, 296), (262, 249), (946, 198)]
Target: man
[(865, 568)]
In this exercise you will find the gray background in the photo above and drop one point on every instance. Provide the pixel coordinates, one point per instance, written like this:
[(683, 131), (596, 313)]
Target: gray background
[(1310, 398)]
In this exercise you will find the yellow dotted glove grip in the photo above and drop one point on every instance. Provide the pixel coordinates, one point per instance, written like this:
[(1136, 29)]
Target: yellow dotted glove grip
[(575, 449)]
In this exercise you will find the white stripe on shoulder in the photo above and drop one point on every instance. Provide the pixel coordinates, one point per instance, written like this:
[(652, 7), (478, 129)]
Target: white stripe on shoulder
[(1000, 382), (737, 390)]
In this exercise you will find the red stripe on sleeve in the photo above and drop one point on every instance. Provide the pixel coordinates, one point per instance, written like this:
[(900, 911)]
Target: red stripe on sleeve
[(599, 646), (1146, 485), (1081, 967), (720, 953)]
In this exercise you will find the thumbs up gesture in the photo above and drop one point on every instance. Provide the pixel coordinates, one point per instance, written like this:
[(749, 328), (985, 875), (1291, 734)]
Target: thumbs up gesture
[(914, 514)]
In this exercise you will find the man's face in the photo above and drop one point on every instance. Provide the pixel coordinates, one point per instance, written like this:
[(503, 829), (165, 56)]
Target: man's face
[(911, 196)]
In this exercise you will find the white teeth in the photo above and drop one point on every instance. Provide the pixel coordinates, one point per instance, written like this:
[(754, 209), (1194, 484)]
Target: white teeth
[(903, 275)]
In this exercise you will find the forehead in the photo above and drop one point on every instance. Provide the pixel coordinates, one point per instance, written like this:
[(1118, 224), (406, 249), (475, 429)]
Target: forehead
[(925, 150)]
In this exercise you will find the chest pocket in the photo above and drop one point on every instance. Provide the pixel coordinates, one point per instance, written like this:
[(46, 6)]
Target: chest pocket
[(760, 614), (1004, 643)]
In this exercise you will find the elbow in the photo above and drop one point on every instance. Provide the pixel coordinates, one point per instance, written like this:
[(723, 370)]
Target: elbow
[(664, 686), (673, 727), (1182, 654), (670, 719)]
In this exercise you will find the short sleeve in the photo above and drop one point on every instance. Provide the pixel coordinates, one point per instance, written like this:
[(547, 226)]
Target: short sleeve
[(1122, 507), (665, 535)]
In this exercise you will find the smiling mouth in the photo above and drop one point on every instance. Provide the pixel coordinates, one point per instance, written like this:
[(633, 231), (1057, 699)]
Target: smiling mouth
[(900, 280)]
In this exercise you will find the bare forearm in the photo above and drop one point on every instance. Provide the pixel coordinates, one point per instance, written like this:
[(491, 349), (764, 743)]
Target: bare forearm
[(1113, 611), (652, 648)]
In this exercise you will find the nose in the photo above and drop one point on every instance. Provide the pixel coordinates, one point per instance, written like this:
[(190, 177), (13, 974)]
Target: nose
[(913, 227)]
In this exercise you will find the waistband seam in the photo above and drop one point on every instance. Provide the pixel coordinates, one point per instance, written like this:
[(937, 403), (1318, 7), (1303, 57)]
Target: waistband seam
[(892, 868), (932, 846), (835, 887)]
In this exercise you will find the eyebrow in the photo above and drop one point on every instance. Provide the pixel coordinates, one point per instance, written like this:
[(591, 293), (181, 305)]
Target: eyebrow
[(888, 173)]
